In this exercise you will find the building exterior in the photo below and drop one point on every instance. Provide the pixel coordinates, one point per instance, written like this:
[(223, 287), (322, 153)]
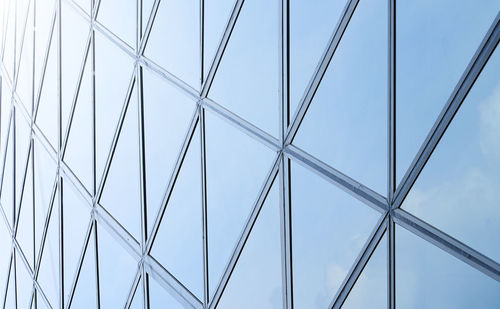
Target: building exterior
[(250, 154)]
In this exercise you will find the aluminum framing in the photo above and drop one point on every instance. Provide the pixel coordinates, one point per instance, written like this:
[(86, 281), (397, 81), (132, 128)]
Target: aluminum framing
[(147, 266)]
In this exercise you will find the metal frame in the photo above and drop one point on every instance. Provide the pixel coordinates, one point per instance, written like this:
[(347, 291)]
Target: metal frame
[(286, 152)]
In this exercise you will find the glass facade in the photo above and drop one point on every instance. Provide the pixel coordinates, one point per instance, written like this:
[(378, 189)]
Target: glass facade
[(249, 154)]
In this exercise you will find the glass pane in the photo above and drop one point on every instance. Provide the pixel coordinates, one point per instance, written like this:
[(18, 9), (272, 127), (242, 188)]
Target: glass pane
[(428, 277), (121, 194), (215, 17), (9, 40), (22, 146), (5, 250), (24, 283), (236, 169), (74, 34), (179, 243), (147, 6), (7, 189), (159, 298), (119, 17), (48, 106), (79, 147), (458, 189), (370, 290), (76, 218), (174, 42), (346, 124), (10, 297), (48, 274), (24, 86), (25, 228), (329, 229), (45, 177), (86, 288), (256, 282), (167, 115), (311, 26), (138, 300), (435, 42), (114, 263), (247, 81), (5, 112), (85, 4), (113, 72), (43, 22)]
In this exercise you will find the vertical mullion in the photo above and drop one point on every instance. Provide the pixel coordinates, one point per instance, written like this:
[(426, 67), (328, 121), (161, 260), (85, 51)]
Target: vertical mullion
[(142, 156), (206, 290), (285, 212), (59, 143), (202, 41), (93, 8), (391, 262)]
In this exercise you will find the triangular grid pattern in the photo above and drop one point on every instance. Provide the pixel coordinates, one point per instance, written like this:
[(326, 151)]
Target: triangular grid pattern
[(212, 157)]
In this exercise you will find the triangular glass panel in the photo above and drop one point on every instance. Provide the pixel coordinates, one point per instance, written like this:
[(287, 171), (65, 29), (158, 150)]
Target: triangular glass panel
[(160, 298), (79, 145), (215, 17), (428, 277), (433, 50), (117, 269), (43, 21), (9, 40), (329, 229), (311, 26), (24, 84), (120, 18), (147, 7), (74, 35), (237, 166), (167, 115), (10, 296), (177, 51), (257, 277), (247, 81), (457, 191), (76, 219), (7, 189), (138, 299), (45, 177), (85, 4), (41, 302), (85, 295), (346, 124), (5, 112), (370, 290), (48, 277), (113, 72), (21, 14), (5, 253), (22, 147), (48, 103), (121, 195), (24, 284), (178, 246), (25, 227)]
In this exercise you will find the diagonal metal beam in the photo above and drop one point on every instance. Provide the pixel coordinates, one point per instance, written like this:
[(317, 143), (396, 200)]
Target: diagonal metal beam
[(476, 65), (447, 243), (344, 182)]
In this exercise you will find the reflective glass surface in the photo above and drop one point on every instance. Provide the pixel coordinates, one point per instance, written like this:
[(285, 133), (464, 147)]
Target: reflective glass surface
[(249, 154)]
